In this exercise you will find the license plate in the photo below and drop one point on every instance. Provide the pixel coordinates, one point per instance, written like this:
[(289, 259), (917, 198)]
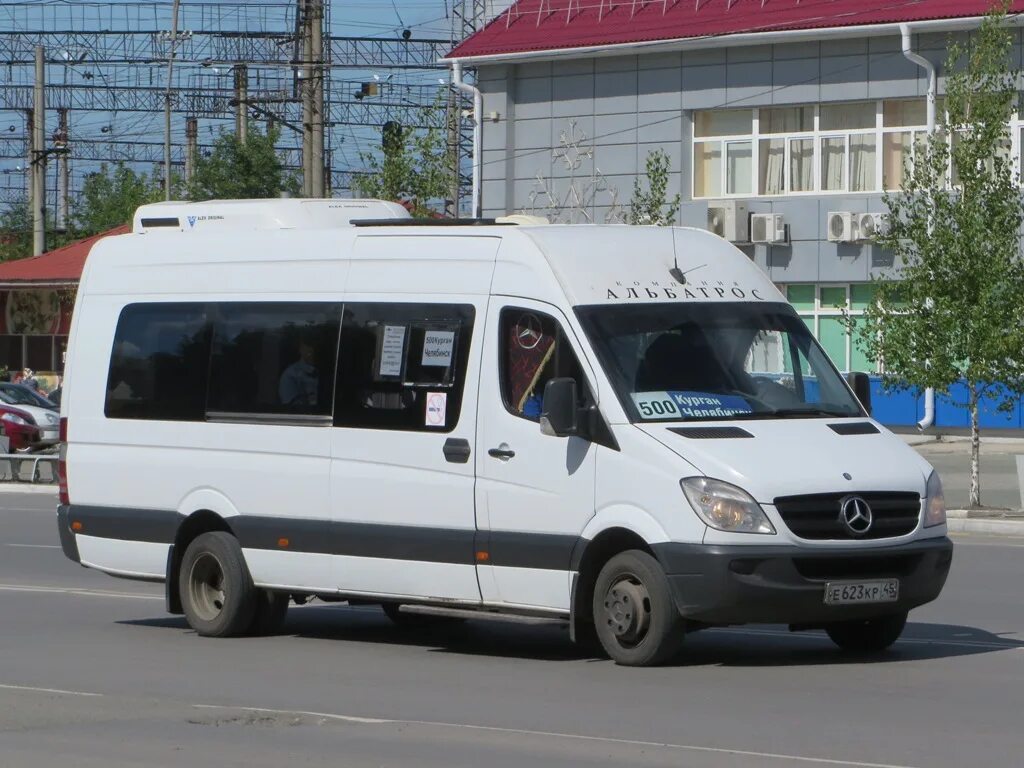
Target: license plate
[(855, 592)]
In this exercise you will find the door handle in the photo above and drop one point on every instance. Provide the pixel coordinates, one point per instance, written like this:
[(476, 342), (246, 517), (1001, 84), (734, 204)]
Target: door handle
[(456, 450), (502, 453)]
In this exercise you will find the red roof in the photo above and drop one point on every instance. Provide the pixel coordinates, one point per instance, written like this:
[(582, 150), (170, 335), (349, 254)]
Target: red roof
[(565, 24), (62, 265)]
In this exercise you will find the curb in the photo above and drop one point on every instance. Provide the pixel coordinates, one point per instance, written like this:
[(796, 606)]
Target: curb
[(985, 525)]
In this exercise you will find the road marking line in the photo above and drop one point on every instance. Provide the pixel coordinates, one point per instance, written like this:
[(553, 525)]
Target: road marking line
[(558, 735), (75, 591), (325, 715), (33, 546), (47, 690)]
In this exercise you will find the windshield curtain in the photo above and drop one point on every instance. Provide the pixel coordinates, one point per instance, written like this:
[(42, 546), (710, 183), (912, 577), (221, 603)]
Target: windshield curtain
[(14, 394), (709, 361)]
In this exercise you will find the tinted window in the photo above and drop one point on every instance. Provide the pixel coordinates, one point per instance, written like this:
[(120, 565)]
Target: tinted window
[(158, 364), (535, 350), (273, 358), (403, 366)]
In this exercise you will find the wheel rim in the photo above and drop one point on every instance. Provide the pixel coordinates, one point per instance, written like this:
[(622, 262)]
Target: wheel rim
[(627, 610), (206, 586)]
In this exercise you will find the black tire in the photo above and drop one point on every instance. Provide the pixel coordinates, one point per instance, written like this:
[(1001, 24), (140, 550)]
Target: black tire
[(634, 615), (216, 589), (417, 620), (271, 611), (867, 635)]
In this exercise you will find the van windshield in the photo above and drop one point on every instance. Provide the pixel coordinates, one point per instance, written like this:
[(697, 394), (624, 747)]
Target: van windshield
[(715, 361)]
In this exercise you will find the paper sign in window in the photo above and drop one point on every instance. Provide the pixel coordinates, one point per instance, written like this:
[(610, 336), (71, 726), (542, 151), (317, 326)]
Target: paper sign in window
[(392, 351), (437, 348), (437, 409)]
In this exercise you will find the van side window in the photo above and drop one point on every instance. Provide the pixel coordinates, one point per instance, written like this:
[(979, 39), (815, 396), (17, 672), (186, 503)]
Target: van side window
[(403, 366), (534, 350), (273, 358), (158, 363)]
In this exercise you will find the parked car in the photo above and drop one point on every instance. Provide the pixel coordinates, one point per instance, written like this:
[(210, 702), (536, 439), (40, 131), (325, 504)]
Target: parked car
[(41, 417), (23, 432), (21, 395)]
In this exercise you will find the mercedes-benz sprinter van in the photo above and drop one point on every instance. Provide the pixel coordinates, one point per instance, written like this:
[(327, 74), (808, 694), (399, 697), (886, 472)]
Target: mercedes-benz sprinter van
[(626, 428)]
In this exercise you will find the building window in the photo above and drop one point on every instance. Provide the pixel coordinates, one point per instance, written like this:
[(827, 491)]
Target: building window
[(821, 308), (852, 147)]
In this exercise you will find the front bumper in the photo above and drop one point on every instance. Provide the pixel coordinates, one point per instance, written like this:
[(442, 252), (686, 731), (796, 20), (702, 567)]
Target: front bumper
[(718, 584)]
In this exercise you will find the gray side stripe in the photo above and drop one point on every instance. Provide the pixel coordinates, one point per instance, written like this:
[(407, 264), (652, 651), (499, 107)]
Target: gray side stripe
[(396, 542)]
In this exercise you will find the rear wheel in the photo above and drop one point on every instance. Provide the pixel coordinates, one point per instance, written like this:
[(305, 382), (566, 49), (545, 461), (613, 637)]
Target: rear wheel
[(271, 610), (634, 615), (216, 590), (867, 635)]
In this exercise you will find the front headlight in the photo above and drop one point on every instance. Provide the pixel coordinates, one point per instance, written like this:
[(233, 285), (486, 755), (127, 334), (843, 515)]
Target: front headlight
[(934, 502), (13, 418), (725, 507)]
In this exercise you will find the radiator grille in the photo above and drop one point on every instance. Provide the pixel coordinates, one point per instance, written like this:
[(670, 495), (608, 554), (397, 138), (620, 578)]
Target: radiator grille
[(816, 516)]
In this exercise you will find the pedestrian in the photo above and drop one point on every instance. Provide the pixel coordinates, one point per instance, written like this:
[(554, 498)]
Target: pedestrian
[(28, 378)]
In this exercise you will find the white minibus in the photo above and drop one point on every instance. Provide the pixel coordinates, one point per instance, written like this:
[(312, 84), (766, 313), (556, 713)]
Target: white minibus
[(624, 428)]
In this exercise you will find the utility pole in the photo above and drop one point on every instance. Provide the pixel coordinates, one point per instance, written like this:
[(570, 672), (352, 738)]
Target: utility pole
[(313, 123), (191, 147), (305, 7), (167, 102), (319, 123), (63, 172), (241, 102), (39, 156)]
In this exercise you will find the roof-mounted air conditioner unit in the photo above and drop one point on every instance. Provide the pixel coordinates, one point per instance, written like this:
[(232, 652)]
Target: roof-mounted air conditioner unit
[(768, 228), (843, 227), (729, 219)]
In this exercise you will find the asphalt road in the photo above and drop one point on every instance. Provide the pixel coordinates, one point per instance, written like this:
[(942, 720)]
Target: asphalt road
[(94, 673)]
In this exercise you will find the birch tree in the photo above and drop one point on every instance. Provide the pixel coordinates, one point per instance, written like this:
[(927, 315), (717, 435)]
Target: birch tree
[(957, 312)]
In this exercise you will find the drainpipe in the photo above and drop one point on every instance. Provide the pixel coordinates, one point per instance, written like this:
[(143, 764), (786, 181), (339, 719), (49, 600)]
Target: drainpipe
[(478, 124), (929, 68)]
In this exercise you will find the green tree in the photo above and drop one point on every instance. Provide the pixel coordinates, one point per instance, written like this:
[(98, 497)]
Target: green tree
[(412, 168), (654, 206), (237, 171), (957, 313), (109, 198), (15, 232)]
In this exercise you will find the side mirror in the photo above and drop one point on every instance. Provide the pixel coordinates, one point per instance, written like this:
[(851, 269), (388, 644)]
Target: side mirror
[(860, 383), (560, 415)]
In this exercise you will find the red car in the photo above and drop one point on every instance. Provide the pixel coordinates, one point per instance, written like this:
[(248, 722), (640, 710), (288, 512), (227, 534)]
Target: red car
[(20, 428)]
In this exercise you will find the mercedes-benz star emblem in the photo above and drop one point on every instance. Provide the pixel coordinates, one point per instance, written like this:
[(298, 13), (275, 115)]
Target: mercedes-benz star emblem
[(856, 515), (528, 331)]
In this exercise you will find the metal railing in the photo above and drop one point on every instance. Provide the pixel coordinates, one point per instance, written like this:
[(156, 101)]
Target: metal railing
[(16, 467)]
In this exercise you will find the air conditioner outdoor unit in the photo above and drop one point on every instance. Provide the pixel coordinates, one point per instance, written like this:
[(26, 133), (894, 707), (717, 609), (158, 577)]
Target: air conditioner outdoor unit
[(729, 219), (870, 225), (842, 227), (768, 228)]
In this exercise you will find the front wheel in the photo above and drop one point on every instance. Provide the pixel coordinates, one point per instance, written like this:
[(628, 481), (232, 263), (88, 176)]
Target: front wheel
[(216, 589), (867, 635), (634, 615)]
